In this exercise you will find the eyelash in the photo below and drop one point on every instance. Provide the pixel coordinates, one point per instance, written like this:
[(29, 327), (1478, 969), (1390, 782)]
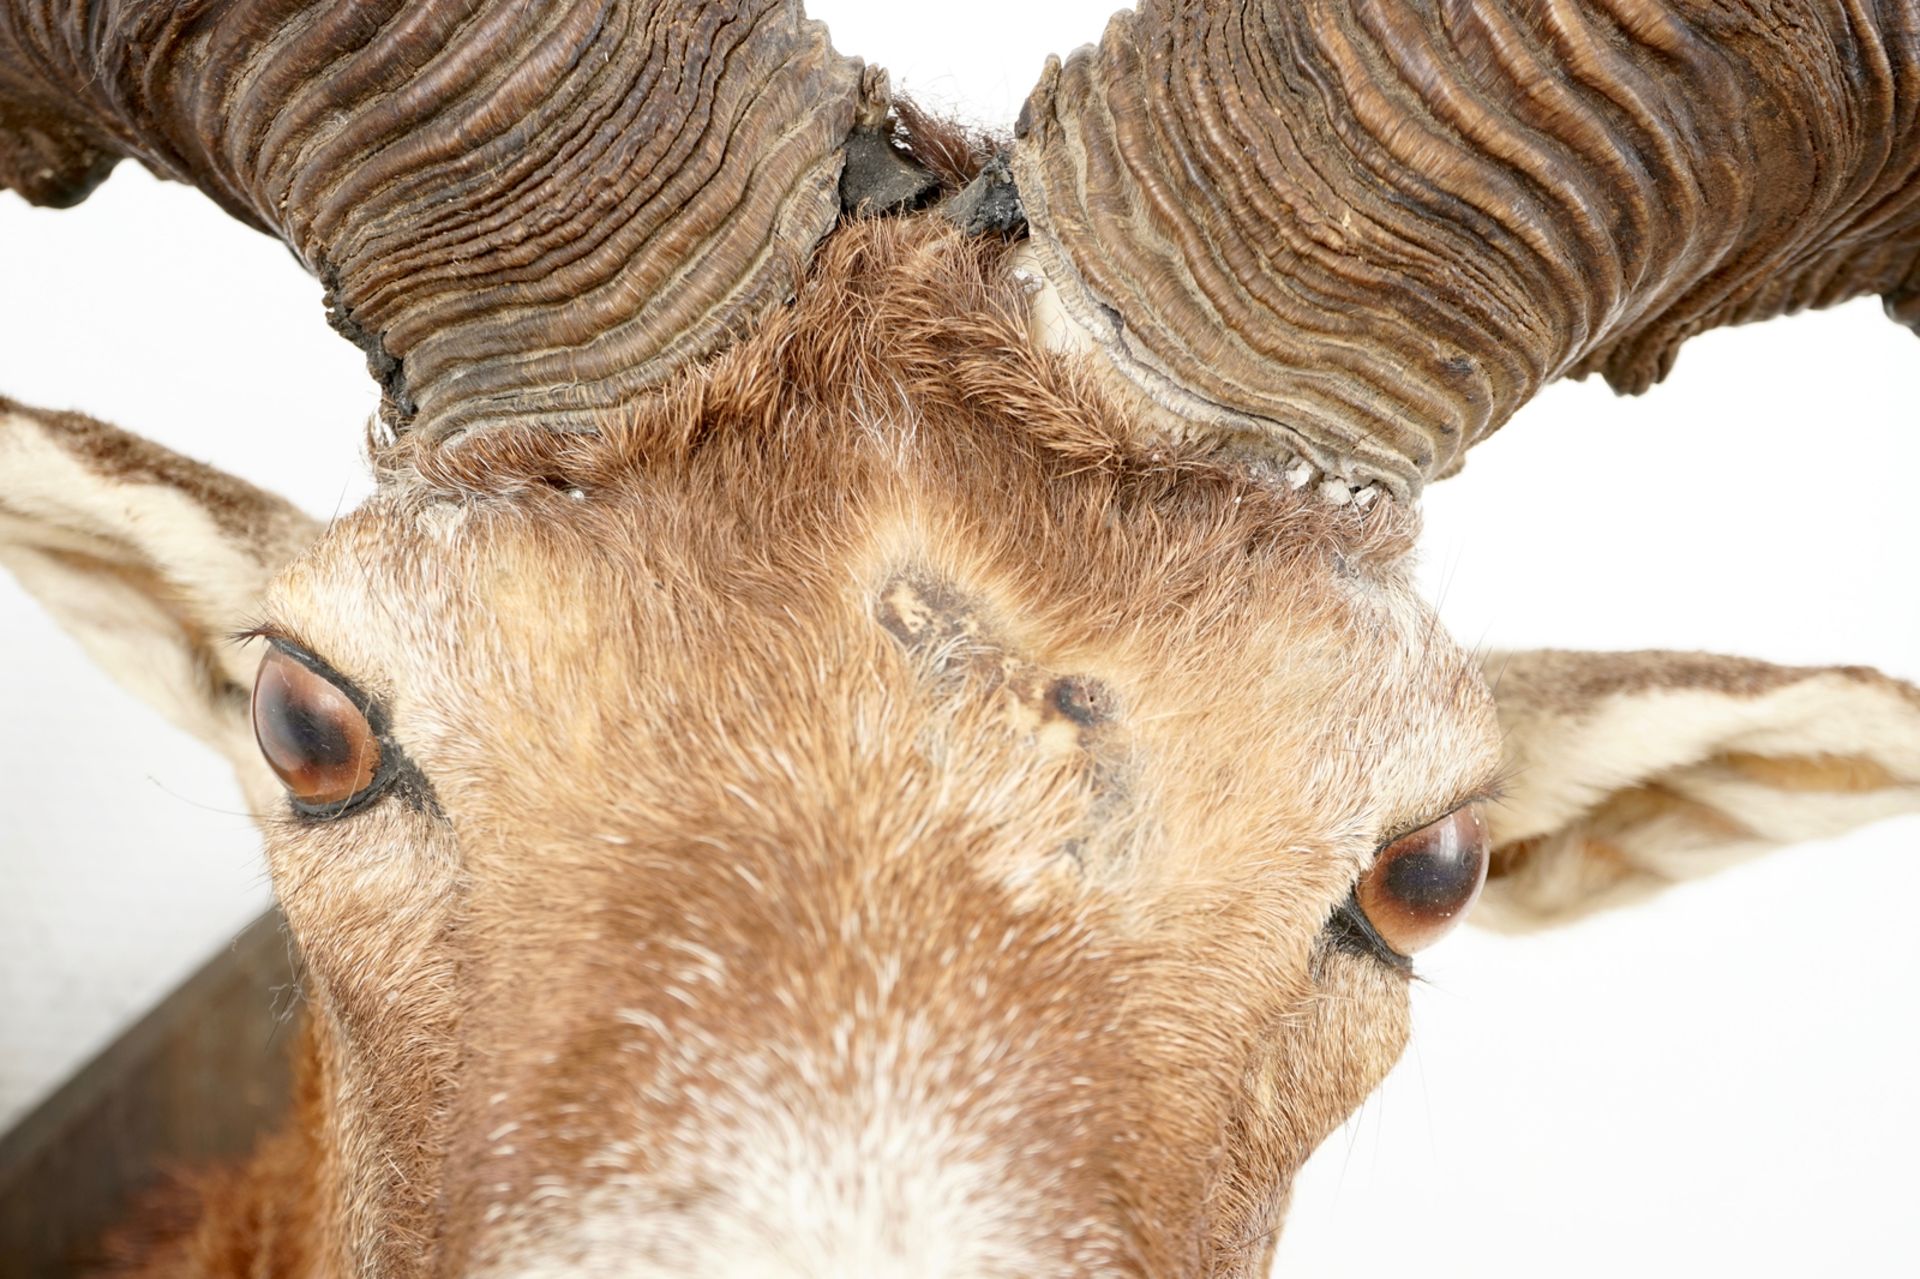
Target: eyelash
[(397, 774), (1349, 930)]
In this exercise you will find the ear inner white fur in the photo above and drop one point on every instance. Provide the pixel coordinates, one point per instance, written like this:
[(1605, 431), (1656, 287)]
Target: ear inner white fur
[(1636, 770), (148, 559)]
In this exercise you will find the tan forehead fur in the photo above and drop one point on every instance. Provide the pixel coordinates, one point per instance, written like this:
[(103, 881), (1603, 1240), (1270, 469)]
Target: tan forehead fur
[(771, 505), (915, 643)]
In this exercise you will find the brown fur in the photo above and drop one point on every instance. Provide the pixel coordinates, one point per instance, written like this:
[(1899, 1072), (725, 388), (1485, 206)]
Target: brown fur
[(237, 506), (954, 152), (866, 796), (1061, 824), (861, 800), (1576, 682), (863, 778)]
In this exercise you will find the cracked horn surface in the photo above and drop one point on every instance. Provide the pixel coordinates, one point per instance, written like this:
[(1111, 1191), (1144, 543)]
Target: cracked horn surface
[(523, 212), (1367, 231)]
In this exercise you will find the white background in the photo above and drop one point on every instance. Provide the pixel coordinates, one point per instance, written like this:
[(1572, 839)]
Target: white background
[(1720, 1082)]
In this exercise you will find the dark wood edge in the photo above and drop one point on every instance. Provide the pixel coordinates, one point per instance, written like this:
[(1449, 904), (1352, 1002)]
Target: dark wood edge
[(198, 1078)]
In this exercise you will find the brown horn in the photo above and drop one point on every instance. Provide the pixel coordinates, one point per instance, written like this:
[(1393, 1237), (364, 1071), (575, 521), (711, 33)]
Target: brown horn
[(523, 212), (1367, 231)]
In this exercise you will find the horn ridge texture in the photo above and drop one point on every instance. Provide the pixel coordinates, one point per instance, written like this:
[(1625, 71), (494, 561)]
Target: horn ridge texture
[(524, 211), (1367, 231)]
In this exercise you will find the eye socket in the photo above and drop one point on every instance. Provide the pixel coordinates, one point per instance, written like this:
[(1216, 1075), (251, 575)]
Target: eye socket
[(1426, 881), (315, 735)]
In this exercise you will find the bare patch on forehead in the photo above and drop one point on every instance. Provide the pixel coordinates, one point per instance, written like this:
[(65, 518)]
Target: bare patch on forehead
[(1065, 725), (925, 614), (949, 631)]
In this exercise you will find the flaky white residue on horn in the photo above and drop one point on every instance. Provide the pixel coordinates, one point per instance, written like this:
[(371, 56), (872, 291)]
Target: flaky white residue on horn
[(1364, 232)]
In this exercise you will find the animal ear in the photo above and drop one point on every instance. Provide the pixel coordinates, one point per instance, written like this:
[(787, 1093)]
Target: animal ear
[(1631, 771), (149, 559)]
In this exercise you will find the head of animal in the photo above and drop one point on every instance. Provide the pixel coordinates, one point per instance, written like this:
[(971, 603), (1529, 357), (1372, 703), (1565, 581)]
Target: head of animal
[(877, 723)]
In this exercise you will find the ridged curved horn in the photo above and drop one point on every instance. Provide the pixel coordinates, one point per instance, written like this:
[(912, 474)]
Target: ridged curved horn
[(1368, 231), (524, 210)]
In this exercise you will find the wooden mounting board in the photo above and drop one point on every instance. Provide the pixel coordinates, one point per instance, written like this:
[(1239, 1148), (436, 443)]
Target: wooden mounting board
[(196, 1079)]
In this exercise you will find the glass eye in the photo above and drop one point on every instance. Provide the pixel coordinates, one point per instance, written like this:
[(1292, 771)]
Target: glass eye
[(313, 733), (1424, 882)]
